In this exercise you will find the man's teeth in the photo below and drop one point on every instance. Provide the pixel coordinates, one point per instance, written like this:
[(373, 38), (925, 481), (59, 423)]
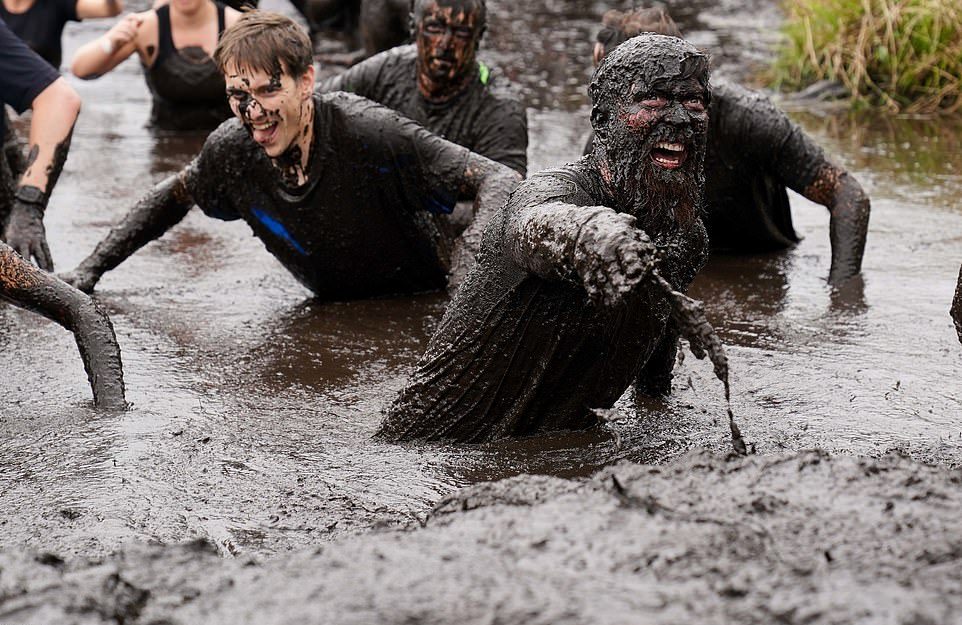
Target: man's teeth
[(671, 147), (263, 126)]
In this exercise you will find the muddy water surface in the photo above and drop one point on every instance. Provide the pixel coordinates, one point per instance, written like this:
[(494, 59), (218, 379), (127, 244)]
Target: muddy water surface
[(252, 407)]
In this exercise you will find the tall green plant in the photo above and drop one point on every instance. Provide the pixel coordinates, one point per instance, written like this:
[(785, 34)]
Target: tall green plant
[(903, 54)]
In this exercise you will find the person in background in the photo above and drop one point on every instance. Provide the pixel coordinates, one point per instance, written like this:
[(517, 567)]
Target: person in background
[(40, 24), (174, 42), (439, 83), (754, 153), (27, 81)]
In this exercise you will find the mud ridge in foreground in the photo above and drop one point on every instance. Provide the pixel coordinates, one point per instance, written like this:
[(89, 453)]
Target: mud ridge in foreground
[(792, 538)]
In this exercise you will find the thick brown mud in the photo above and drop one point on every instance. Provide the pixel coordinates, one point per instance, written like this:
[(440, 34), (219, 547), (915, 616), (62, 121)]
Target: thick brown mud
[(252, 406), (785, 538)]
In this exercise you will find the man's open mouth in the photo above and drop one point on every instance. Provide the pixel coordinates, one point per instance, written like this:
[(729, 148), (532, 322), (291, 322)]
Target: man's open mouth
[(669, 155), (264, 132)]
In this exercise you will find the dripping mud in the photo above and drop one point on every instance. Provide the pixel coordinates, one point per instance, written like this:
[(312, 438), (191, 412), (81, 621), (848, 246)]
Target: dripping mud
[(252, 410)]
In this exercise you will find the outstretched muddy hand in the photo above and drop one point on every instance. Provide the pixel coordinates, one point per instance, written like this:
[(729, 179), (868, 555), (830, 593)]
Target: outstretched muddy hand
[(24, 232), (689, 317), (612, 256)]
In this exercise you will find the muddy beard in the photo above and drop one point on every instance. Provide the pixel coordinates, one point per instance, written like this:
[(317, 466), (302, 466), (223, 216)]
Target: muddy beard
[(662, 200)]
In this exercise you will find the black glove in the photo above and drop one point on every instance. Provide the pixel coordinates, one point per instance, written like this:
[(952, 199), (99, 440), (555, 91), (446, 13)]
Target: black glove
[(24, 230)]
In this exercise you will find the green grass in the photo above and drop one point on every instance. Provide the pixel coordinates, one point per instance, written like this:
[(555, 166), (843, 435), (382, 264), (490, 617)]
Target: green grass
[(905, 55)]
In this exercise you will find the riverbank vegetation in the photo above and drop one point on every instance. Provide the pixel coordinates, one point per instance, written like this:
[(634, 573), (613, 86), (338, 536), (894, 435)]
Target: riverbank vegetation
[(905, 55)]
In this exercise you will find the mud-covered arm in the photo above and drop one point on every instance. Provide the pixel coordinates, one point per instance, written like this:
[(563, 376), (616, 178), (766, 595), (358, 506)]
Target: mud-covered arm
[(26, 286), (161, 209), (55, 111), (594, 246), (849, 208), (803, 167), (490, 183), (765, 135)]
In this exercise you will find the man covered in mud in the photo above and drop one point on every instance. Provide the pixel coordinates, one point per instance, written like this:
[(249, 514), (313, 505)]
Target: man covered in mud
[(573, 286), (27, 81), (754, 153), (439, 83), (348, 195)]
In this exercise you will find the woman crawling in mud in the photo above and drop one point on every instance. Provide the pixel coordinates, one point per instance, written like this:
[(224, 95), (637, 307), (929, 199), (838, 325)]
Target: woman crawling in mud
[(754, 153), (174, 42), (26, 81), (567, 302)]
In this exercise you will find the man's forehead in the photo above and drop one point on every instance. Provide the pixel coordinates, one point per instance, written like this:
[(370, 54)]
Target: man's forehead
[(246, 76), (668, 84), (461, 12)]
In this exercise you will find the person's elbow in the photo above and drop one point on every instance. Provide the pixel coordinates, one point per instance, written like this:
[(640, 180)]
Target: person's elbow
[(506, 176), (61, 97), (81, 69)]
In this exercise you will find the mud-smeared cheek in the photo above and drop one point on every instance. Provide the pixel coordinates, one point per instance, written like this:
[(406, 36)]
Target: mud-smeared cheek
[(639, 118)]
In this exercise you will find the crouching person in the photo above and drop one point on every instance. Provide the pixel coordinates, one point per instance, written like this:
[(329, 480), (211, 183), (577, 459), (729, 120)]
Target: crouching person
[(569, 299)]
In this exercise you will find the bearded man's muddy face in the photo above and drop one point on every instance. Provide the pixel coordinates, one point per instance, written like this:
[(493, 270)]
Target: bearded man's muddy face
[(650, 115), (447, 36), (274, 107)]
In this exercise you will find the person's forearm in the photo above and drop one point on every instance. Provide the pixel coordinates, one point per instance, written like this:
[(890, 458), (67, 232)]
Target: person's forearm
[(491, 184), (28, 287), (55, 111), (161, 209), (496, 184), (542, 239), (848, 229)]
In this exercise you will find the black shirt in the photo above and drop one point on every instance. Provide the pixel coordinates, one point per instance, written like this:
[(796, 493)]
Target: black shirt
[(41, 26), (371, 218), (518, 353), (23, 74), (487, 118)]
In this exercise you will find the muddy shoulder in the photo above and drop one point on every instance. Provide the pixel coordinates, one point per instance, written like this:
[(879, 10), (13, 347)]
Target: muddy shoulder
[(794, 538)]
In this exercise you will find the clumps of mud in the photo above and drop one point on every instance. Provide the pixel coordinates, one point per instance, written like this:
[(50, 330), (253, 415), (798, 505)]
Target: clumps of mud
[(688, 315), (795, 538)]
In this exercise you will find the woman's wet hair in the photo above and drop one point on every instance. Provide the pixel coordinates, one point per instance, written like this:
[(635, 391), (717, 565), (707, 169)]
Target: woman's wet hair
[(620, 26), (267, 42)]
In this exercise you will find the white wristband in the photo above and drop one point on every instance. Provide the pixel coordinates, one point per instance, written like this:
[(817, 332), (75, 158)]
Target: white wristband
[(107, 45)]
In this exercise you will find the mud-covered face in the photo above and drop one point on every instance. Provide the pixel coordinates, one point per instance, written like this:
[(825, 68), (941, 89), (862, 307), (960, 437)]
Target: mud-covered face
[(650, 100), (447, 39), (667, 121), (275, 108)]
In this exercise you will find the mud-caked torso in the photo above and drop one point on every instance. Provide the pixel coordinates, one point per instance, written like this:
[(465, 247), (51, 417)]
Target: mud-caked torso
[(517, 353), (371, 219), (186, 85), (486, 117)]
